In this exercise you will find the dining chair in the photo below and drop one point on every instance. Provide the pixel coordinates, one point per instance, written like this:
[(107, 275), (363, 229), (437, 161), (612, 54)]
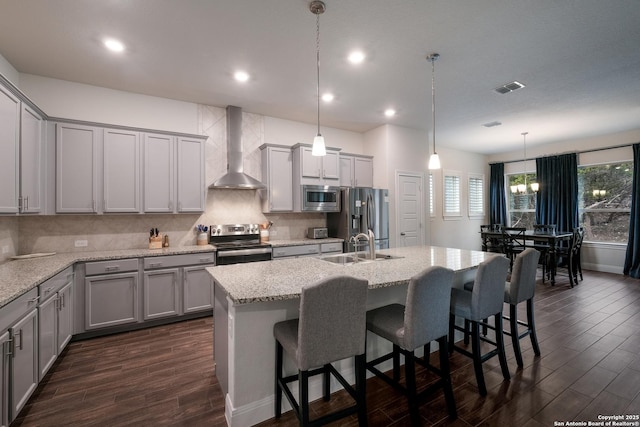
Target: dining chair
[(543, 246), (492, 244), (331, 327), (569, 257), (423, 318), (513, 241)]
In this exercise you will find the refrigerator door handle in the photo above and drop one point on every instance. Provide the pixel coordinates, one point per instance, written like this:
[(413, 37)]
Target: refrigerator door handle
[(371, 209)]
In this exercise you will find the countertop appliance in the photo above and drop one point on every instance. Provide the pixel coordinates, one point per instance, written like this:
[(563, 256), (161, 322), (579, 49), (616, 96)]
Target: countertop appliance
[(317, 233), (237, 243), (362, 209)]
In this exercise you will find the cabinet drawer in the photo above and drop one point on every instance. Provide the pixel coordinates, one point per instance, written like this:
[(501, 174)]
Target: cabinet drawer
[(53, 285), (112, 266), (331, 247), (178, 260), (285, 251), (12, 312)]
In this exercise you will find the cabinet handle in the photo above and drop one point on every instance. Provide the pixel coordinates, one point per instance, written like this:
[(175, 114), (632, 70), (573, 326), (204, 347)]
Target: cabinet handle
[(112, 268), (155, 264), (205, 260), (49, 289), (64, 301), (20, 204), (20, 334), (33, 300), (311, 250), (10, 346)]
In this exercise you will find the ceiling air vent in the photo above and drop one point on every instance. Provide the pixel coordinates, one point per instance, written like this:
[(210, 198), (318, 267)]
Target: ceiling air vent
[(509, 87), (492, 124)]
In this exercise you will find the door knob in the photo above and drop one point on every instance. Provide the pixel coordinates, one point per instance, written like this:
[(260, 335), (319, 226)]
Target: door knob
[(402, 233)]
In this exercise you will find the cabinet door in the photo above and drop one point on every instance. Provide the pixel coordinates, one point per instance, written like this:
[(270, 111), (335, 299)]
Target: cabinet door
[(24, 369), (311, 165), (198, 289), (48, 335), (191, 188), (158, 173), (331, 167), (76, 176), (4, 378), (279, 179), (121, 171), (346, 171), (9, 151), (161, 293), (31, 140), (111, 300), (65, 315), (363, 172)]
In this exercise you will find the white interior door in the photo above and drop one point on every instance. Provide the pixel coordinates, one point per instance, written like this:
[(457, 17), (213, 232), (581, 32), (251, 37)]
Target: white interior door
[(410, 209)]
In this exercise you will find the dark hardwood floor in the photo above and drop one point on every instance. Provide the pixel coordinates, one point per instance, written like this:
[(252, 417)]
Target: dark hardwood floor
[(590, 366)]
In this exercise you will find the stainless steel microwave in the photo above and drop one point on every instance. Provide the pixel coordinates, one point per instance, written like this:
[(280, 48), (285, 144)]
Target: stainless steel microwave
[(320, 198)]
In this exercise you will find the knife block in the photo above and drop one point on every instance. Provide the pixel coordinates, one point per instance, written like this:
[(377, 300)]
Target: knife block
[(155, 242)]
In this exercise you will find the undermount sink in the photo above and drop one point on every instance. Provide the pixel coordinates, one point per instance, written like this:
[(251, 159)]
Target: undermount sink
[(353, 258)]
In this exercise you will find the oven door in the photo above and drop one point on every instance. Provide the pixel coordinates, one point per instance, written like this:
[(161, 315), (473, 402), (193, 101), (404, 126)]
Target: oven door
[(320, 198), (237, 256)]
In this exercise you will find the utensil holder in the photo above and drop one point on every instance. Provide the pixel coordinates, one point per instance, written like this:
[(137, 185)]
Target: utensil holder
[(202, 239)]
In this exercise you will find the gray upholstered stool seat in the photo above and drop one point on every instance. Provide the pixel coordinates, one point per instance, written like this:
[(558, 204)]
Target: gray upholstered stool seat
[(331, 327), (485, 300), (423, 319)]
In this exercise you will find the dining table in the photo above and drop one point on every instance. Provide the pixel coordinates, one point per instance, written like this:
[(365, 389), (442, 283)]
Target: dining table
[(550, 241)]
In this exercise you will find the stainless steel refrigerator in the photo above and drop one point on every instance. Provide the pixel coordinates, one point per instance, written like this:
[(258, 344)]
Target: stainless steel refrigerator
[(362, 209)]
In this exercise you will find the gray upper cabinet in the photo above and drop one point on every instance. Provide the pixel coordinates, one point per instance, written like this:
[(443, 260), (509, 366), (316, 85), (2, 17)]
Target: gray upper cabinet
[(121, 163), (277, 169), (173, 174), (31, 156), (315, 170), (158, 173), (356, 170), (9, 151), (76, 168), (190, 175)]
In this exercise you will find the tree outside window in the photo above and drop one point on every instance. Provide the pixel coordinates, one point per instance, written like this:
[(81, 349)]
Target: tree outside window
[(522, 201), (604, 197)]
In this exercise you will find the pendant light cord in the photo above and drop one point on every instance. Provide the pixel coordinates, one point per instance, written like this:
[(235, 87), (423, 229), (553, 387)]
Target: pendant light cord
[(524, 137), (318, 66), (433, 99)]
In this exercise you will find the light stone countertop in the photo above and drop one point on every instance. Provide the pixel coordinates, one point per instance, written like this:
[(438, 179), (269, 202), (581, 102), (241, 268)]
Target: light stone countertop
[(300, 242), (283, 279), (19, 276)]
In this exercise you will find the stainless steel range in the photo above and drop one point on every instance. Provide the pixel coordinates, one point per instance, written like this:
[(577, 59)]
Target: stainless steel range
[(236, 243)]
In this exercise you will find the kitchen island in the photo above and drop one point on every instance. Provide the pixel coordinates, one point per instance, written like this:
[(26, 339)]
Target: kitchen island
[(251, 298)]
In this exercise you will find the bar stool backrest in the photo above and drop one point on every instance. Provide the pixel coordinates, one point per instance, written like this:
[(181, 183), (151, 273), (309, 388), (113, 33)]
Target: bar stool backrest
[(523, 277), (488, 288), (332, 322), (426, 316)]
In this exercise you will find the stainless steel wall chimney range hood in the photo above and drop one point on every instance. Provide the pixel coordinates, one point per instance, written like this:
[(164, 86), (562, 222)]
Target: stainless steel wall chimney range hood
[(235, 178)]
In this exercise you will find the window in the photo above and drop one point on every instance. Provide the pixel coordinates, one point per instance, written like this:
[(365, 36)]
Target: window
[(432, 211), (476, 196), (451, 192), (522, 200), (604, 201)]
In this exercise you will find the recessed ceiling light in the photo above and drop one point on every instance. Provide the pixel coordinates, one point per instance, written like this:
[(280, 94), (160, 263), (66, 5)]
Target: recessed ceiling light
[(327, 97), (389, 112), (356, 57), (114, 45), (241, 76)]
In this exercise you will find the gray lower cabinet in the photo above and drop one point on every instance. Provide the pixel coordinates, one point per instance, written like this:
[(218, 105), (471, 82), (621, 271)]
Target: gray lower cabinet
[(161, 293), (19, 345), (177, 285), (4, 379), (111, 293), (55, 318)]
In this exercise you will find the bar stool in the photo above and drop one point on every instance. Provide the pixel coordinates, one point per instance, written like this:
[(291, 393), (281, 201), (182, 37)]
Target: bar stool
[(331, 327), (521, 288), (485, 300), (423, 319)]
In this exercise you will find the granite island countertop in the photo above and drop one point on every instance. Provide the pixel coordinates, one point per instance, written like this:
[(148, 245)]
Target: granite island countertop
[(19, 276), (283, 279)]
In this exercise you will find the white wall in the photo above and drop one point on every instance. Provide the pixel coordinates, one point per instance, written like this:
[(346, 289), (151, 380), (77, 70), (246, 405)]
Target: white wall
[(288, 132), (10, 73), (60, 98)]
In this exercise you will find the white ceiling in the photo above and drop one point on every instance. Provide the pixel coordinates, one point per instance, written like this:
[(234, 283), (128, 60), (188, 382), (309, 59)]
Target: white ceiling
[(579, 60)]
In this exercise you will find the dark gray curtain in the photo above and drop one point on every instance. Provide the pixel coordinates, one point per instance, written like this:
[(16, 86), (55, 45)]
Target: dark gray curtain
[(557, 199), (497, 198), (632, 260)]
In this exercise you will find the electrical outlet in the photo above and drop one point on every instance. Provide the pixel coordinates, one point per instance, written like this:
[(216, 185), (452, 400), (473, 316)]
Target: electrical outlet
[(82, 243), (5, 249)]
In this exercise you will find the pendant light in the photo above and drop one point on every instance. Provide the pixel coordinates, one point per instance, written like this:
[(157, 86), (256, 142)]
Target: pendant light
[(317, 7), (522, 188), (434, 159)]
